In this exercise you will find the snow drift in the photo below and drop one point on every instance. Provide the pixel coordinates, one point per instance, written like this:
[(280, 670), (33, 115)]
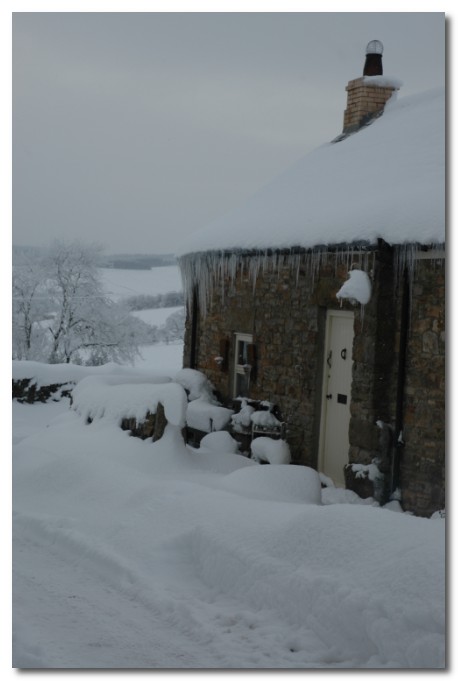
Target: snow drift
[(140, 555)]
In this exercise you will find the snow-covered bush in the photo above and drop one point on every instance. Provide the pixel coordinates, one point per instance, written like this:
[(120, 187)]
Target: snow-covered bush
[(270, 451), (370, 471)]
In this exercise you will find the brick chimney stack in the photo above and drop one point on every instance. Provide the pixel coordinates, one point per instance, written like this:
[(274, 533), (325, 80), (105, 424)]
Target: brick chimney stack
[(367, 95)]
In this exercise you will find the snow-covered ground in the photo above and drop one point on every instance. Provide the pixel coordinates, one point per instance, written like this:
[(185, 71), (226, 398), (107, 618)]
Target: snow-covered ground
[(168, 357), (129, 554)]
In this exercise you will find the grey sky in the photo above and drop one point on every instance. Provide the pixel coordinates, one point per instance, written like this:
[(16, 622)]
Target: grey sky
[(135, 129)]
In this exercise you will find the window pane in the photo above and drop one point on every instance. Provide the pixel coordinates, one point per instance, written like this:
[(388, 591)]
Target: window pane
[(242, 352), (241, 385)]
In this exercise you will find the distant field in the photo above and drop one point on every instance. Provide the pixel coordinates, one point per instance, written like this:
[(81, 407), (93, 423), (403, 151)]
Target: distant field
[(155, 317), (121, 284), (125, 283)]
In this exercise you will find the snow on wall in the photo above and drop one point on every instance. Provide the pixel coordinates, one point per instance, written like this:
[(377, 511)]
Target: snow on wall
[(97, 397), (357, 288), (41, 374)]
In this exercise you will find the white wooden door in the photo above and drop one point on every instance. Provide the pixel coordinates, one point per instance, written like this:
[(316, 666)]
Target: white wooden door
[(337, 375)]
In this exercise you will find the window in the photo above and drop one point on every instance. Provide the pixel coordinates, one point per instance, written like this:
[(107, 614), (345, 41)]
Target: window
[(242, 364)]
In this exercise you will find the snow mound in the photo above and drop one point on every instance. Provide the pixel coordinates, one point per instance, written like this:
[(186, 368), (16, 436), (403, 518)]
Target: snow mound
[(196, 384), (297, 484), (269, 450), (242, 419), (97, 397), (207, 416), (265, 419), (220, 441)]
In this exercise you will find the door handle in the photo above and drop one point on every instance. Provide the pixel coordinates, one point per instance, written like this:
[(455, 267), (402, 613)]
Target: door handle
[(343, 353), (329, 397)]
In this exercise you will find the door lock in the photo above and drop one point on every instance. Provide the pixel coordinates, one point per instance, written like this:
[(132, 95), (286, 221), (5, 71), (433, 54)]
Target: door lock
[(329, 397)]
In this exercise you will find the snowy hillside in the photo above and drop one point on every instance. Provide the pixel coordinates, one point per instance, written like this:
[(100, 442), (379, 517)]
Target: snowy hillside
[(130, 554), (121, 284)]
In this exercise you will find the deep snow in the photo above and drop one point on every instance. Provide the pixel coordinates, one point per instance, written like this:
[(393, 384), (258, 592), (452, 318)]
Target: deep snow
[(134, 555)]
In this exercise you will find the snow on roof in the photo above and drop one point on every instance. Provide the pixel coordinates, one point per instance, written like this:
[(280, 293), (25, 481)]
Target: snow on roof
[(387, 181)]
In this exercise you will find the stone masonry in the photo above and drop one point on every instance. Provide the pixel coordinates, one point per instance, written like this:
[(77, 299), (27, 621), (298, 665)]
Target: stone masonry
[(286, 316)]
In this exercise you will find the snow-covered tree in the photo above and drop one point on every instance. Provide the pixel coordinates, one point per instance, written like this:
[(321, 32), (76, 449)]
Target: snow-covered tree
[(74, 321), (173, 328), (29, 306)]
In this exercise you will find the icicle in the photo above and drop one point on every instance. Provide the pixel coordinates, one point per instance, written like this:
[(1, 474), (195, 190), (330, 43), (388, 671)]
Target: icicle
[(205, 270)]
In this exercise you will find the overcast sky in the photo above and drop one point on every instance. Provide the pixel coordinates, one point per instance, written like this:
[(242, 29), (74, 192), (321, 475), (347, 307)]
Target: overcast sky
[(135, 129)]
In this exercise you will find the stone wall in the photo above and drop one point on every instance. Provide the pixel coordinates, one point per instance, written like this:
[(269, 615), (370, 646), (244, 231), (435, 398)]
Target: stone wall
[(286, 316), (26, 390), (423, 457)]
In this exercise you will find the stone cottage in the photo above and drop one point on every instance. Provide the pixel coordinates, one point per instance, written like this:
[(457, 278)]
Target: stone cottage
[(324, 295)]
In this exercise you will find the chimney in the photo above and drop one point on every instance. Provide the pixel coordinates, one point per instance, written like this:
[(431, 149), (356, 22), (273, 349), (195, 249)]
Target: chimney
[(367, 95)]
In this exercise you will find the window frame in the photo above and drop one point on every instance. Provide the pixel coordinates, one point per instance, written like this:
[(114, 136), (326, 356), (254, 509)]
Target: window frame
[(239, 369)]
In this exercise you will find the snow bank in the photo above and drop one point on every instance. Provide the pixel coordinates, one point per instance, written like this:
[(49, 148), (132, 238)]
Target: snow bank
[(357, 288), (206, 416), (295, 484), (272, 451), (97, 397)]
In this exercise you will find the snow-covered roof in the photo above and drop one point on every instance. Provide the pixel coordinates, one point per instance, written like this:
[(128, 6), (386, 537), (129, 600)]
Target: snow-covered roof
[(386, 181)]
